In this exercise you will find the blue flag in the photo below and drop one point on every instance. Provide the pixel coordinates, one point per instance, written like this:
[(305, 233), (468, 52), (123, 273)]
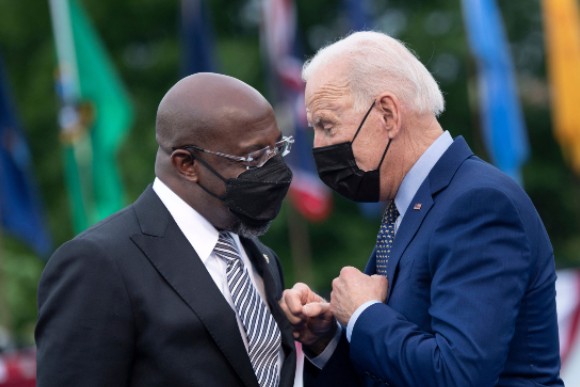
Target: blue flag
[(502, 119), (20, 211), (197, 42), (358, 14)]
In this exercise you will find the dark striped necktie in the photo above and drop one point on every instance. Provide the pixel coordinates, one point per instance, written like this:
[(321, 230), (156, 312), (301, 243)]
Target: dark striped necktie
[(385, 238), (262, 332)]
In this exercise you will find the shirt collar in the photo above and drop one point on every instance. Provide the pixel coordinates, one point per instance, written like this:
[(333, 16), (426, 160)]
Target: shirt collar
[(417, 174), (200, 233)]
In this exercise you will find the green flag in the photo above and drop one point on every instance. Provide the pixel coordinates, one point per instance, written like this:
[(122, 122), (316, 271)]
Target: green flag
[(95, 116)]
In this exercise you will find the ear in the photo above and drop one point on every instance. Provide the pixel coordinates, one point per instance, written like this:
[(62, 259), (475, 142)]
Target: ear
[(390, 108), (185, 165)]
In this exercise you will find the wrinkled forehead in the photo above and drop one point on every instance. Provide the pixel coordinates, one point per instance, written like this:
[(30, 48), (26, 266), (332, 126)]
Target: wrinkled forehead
[(326, 88)]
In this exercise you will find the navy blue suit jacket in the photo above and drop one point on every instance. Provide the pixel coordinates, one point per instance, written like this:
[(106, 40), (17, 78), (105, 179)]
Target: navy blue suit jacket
[(471, 298)]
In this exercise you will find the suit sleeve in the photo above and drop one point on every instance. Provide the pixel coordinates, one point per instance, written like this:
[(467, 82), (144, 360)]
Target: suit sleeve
[(479, 260), (84, 333), (338, 371)]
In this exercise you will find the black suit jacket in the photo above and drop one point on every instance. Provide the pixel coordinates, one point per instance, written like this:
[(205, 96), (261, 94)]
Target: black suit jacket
[(129, 303)]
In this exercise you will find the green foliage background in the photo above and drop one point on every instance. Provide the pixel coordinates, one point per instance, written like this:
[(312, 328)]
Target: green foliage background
[(143, 41)]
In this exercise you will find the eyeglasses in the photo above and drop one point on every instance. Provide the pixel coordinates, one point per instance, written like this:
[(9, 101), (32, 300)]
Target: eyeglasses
[(255, 159)]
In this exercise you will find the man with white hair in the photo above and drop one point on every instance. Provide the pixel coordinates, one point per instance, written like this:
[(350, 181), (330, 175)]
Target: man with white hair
[(459, 290)]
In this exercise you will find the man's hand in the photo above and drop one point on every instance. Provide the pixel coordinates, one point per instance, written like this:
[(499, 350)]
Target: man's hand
[(351, 289), (310, 315)]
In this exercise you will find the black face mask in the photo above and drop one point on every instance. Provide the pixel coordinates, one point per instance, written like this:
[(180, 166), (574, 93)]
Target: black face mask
[(256, 195), (337, 168)]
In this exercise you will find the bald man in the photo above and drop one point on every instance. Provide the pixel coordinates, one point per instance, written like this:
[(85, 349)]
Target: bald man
[(143, 298)]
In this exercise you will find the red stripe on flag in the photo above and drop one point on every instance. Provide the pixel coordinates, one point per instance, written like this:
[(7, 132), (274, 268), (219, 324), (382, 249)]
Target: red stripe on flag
[(574, 325), (310, 197)]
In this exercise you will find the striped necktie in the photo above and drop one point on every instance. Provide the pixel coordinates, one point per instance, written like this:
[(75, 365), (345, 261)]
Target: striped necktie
[(262, 333), (385, 238)]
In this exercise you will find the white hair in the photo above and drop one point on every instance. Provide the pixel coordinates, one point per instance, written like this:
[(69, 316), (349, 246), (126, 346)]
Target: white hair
[(375, 63)]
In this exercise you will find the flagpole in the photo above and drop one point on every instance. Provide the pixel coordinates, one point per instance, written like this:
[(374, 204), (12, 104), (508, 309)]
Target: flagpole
[(65, 49), (300, 250), (73, 132), (5, 315)]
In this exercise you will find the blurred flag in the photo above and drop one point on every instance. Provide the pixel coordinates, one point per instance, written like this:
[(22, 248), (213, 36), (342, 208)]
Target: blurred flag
[(95, 115), (18, 368), (358, 14), (503, 124), (21, 214), (308, 194), (562, 31), (568, 310), (197, 41)]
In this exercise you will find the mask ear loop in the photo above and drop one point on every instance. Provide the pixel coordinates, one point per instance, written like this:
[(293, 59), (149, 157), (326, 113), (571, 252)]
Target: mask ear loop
[(384, 154), (363, 121), (205, 164), (359, 128)]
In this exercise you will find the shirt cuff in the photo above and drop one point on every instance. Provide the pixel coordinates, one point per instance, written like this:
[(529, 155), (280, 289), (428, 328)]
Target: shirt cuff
[(320, 360), (355, 316)]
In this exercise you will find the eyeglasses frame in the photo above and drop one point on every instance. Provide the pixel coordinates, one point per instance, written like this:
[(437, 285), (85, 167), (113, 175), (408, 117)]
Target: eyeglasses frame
[(286, 140)]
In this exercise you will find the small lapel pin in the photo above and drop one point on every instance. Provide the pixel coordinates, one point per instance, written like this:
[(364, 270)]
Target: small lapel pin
[(417, 206), (266, 258)]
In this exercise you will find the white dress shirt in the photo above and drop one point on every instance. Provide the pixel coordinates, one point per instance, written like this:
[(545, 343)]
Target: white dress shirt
[(203, 237)]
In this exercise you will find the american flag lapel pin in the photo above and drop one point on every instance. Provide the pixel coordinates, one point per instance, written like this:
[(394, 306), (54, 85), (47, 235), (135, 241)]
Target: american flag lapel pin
[(266, 258), (417, 206)]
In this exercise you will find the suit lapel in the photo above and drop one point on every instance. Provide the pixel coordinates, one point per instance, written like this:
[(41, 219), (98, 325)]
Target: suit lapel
[(170, 253), (438, 179), (267, 265), (407, 230)]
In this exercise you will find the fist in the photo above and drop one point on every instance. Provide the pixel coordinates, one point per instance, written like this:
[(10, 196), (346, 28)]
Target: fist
[(351, 289), (312, 321)]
